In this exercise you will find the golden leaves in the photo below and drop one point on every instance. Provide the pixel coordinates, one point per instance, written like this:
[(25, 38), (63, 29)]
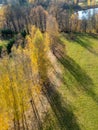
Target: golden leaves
[(4, 124), (23, 75)]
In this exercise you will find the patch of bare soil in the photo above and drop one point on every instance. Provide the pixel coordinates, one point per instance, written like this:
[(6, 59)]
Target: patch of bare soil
[(55, 72)]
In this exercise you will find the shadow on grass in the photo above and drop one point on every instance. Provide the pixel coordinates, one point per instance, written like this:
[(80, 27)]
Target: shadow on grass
[(89, 35), (66, 120), (80, 75), (83, 40), (86, 44)]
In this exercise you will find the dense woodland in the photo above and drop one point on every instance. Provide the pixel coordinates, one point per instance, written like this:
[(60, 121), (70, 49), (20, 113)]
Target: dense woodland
[(29, 68)]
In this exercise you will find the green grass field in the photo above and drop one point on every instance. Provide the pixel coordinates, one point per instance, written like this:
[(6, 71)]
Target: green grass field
[(82, 83), (3, 42), (75, 104)]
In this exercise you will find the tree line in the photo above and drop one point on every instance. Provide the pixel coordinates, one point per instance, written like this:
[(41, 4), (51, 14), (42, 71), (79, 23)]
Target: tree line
[(19, 18), (22, 78)]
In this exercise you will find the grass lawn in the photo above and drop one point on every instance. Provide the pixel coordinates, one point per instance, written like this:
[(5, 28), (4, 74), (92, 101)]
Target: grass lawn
[(3, 43), (75, 104), (81, 80)]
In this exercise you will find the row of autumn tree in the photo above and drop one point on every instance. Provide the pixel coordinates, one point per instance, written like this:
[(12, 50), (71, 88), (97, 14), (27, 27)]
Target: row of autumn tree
[(19, 18), (46, 2), (22, 79)]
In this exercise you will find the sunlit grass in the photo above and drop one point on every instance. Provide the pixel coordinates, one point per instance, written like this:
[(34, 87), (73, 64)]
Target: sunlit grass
[(84, 105), (3, 43)]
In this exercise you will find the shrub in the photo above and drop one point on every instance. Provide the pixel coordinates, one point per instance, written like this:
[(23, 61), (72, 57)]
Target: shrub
[(9, 45), (0, 50), (7, 33)]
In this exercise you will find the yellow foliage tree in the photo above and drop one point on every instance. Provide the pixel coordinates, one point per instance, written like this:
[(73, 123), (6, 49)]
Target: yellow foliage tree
[(22, 77), (37, 47)]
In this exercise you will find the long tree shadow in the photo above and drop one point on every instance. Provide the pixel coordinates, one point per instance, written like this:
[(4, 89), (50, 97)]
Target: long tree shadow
[(83, 40), (86, 44), (91, 35), (84, 81), (63, 112)]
